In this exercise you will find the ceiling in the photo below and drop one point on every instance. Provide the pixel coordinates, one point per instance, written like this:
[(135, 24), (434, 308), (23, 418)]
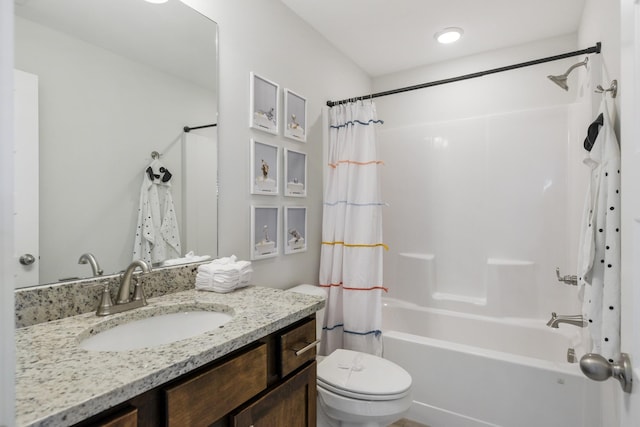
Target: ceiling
[(387, 36)]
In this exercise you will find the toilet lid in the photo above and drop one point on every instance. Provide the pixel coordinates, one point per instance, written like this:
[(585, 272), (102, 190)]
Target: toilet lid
[(363, 376)]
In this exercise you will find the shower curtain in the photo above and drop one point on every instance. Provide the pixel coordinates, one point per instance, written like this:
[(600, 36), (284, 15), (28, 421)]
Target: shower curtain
[(352, 247)]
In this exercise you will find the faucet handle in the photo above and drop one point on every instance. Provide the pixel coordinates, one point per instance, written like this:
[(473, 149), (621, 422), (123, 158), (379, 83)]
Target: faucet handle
[(568, 279), (105, 305), (138, 292)]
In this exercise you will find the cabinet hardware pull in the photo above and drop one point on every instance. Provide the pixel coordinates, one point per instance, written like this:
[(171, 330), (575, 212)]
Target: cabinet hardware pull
[(307, 347)]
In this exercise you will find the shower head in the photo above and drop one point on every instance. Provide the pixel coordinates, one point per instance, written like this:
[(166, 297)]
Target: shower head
[(561, 80)]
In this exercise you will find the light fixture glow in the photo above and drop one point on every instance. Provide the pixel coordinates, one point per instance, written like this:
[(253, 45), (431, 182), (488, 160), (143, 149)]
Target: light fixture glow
[(156, 1), (449, 35)]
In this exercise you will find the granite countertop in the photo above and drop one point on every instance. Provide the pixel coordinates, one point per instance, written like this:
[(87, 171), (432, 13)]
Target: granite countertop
[(60, 384)]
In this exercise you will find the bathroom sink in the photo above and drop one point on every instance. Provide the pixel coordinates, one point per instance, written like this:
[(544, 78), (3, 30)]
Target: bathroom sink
[(161, 329)]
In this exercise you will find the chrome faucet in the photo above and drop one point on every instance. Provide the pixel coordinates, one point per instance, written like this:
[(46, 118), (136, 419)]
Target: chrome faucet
[(89, 258), (576, 320), (123, 301)]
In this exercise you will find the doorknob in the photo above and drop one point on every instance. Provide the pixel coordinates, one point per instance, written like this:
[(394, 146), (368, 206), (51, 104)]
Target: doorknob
[(27, 259), (598, 368)]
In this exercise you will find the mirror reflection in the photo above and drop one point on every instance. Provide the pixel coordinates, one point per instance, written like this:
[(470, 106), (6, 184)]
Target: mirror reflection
[(100, 86)]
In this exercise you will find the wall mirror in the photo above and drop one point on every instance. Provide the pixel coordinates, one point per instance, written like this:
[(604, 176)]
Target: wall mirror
[(115, 81)]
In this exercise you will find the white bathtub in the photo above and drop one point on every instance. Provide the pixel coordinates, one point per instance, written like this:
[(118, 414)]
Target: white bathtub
[(471, 371)]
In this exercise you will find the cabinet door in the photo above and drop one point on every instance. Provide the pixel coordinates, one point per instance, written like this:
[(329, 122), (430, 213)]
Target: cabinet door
[(291, 404), (207, 397)]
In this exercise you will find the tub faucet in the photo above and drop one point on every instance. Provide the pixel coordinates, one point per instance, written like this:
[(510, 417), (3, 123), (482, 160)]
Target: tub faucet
[(123, 302), (576, 320), (91, 260)]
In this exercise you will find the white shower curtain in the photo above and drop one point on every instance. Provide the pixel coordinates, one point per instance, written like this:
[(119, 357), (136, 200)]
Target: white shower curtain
[(352, 247), (599, 252)]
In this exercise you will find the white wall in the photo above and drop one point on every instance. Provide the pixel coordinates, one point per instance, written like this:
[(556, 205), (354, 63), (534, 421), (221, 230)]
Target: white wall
[(92, 164), (629, 406), (495, 168), (267, 38), (7, 259)]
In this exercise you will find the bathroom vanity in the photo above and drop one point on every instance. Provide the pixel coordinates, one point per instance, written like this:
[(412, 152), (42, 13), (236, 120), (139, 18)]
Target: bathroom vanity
[(253, 370)]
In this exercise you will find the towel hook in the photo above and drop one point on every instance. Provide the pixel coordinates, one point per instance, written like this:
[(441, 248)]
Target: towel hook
[(613, 88)]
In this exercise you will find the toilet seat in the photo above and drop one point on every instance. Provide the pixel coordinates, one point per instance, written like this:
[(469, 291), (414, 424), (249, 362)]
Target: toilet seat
[(363, 376)]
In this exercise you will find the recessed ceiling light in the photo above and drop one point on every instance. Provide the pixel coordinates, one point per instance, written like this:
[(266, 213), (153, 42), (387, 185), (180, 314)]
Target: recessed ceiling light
[(449, 35), (156, 1)]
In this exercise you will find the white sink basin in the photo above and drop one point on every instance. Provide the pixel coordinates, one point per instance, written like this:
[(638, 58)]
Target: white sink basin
[(154, 331)]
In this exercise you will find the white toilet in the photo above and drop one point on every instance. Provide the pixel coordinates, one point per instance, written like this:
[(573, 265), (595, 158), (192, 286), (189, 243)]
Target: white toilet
[(358, 389)]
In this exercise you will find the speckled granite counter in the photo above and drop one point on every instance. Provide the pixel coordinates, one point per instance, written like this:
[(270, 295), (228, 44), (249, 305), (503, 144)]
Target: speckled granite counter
[(59, 384)]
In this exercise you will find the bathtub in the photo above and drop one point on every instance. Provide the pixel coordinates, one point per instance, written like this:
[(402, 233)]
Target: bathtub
[(470, 370)]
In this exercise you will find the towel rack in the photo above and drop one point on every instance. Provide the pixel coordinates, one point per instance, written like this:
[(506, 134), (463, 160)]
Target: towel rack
[(189, 129)]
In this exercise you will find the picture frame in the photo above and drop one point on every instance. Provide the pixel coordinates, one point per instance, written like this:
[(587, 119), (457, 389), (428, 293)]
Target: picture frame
[(295, 116), (265, 221), (265, 104), (295, 229), (295, 173), (265, 168)]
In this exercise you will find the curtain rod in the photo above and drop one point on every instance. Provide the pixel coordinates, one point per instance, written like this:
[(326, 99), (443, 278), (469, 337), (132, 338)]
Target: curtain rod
[(189, 129), (592, 49)]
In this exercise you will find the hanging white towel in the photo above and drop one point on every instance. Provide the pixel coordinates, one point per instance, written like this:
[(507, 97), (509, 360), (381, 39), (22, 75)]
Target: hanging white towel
[(599, 252), (157, 236)]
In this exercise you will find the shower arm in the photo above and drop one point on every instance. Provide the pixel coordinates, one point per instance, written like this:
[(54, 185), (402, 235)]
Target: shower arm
[(574, 66)]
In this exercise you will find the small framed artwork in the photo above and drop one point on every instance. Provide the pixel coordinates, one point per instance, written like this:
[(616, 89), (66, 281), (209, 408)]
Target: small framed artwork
[(264, 231), (265, 168), (295, 229), (295, 171), (264, 104), (295, 116)]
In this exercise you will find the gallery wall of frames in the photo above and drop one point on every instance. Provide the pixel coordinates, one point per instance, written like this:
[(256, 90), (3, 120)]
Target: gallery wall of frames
[(278, 166)]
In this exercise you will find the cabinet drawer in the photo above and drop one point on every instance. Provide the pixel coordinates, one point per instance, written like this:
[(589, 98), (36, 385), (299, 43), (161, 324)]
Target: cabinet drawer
[(207, 397), (125, 418), (296, 347)]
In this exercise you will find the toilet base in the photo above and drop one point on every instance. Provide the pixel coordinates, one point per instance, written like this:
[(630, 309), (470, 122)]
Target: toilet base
[(365, 413)]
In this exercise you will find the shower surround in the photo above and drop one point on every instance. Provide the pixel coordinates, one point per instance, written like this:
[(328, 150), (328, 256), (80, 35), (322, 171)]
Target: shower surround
[(485, 186), (478, 215)]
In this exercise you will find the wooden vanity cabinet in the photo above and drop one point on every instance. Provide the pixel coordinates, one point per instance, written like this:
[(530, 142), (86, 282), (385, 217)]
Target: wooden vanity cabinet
[(262, 384)]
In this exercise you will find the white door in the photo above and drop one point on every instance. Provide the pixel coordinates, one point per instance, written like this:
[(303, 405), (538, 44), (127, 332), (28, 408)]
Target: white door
[(628, 406), (26, 179)]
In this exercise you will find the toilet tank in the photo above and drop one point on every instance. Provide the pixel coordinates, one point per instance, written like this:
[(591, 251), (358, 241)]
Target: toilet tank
[(316, 291)]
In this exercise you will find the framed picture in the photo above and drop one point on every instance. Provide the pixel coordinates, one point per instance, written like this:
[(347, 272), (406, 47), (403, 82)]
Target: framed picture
[(295, 229), (265, 168), (264, 231), (295, 116), (295, 173), (264, 104)]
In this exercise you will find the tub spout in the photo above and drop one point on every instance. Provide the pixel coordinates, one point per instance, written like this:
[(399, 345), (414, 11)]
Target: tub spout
[(576, 320)]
